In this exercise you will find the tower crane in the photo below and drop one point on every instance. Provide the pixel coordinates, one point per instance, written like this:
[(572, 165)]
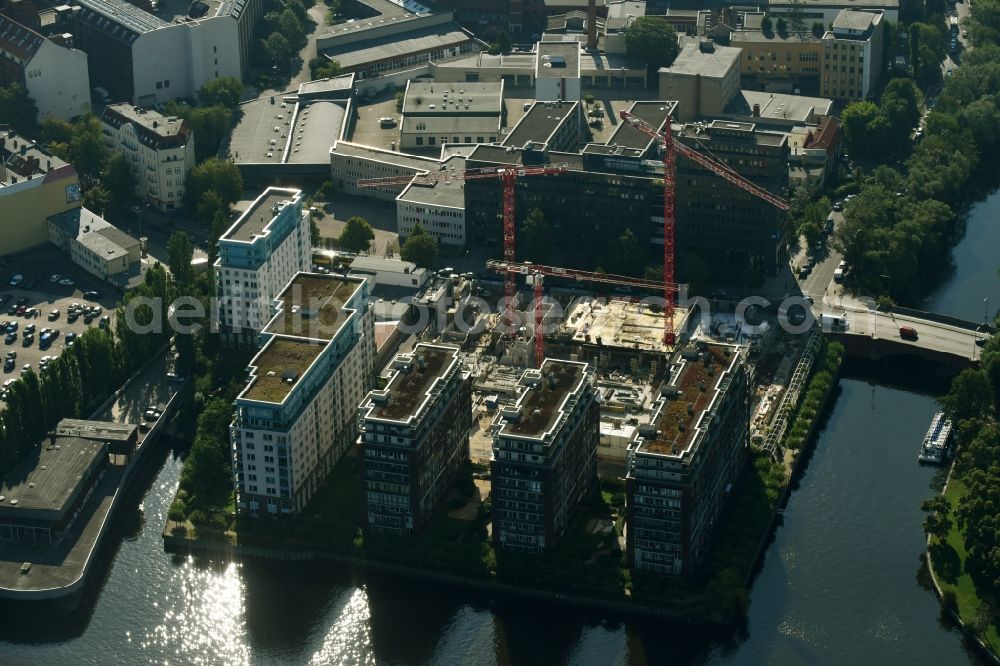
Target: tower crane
[(538, 272), (508, 175), (670, 148)]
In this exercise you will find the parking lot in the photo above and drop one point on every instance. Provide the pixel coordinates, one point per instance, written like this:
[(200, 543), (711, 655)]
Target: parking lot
[(45, 305)]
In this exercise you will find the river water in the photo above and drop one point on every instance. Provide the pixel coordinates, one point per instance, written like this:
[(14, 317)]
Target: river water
[(842, 583)]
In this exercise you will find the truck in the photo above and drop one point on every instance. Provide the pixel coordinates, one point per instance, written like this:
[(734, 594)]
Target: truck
[(835, 322)]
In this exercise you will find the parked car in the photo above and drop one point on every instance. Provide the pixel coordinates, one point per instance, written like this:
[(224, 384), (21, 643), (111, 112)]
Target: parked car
[(55, 278), (11, 338), (23, 300), (66, 282), (91, 295), (16, 280), (805, 271), (53, 315), (26, 369), (21, 309)]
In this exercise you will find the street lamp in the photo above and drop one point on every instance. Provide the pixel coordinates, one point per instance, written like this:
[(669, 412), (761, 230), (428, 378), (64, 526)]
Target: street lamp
[(986, 310)]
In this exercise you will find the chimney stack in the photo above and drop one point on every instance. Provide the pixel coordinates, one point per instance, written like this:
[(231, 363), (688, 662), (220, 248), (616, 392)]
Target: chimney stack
[(756, 110), (592, 25)]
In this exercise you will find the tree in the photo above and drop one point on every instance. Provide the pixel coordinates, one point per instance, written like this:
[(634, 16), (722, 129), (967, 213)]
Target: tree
[(278, 50), (357, 235), (223, 91), (118, 178), (216, 175), (420, 247), (627, 255), (97, 199), (290, 26), (651, 40), (18, 109), (938, 522), (766, 26), (864, 127), (817, 29), (314, 236), (971, 395), (211, 125), (324, 68), (179, 253), (782, 26), (86, 151)]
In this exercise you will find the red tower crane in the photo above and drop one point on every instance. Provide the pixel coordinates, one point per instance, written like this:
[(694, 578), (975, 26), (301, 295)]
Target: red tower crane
[(508, 174), (670, 148), (538, 272)]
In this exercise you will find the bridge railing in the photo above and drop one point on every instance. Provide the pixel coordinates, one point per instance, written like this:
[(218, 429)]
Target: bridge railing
[(939, 318)]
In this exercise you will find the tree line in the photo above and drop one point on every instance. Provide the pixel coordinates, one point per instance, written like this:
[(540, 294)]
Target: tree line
[(898, 231), (78, 380)]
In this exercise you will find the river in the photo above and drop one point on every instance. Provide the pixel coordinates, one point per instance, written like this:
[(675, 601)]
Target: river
[(842, 582)]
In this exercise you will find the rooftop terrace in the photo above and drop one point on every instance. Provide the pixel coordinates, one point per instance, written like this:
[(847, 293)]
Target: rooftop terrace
[(410, 386), (279, 366), (258, 216), (540, 404), (695, 385), (311, 306)]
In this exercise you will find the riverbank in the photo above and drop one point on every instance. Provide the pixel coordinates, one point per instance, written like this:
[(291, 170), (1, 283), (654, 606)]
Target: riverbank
[(954, 585)]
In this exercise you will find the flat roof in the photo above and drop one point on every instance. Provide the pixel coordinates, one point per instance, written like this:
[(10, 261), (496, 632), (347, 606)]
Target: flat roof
[(390, 47), (693, 61), (752, 35), (48, 482), (279, 366), (655, 113), (404, 160), (707, 131), (310, 134), (780, 107), (125, 14), (541, 405), (311, 306), (258, 216), (540, 123), (411, 384), (453, 98), (833, 4), (852, 19), (695, 382), (557, 60), (449, 193), (334, 85)]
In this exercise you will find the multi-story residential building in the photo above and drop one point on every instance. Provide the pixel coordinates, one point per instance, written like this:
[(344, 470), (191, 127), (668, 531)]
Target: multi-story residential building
[(438, 113), (414, 439), (684, 462), (159, 149), (844, 64), (438, 207), (544, 455), (34, 185), (266, 246), (297, 415), (142, 59), (852, 58), (52, 72), (723, 223), (94, 244)]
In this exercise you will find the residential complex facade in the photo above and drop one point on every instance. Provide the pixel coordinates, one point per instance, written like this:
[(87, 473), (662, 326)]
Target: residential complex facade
[(297, 415), (159, 150), (414, 439), (544, 455), (53, 73), (266, 246), (683, 464), (34, 185)]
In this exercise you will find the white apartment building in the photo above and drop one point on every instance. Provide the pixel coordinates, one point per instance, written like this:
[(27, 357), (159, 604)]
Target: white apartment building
[(298, 413), (53, 73), (557, 71), (266, 246), (350, 162), (160, 150), (95, 244)]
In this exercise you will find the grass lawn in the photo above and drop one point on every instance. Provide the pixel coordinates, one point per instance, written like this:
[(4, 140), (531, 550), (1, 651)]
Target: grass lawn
[(949, 567)]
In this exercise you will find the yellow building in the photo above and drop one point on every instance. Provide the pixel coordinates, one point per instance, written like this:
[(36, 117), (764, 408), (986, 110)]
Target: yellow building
[(34, 185)]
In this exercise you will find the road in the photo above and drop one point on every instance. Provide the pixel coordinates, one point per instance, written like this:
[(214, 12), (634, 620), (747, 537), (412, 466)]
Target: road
[(931, 335)]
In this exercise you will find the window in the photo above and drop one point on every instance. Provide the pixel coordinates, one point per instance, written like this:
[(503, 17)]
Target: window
[(166, 83), (420, 140), (431, 141), (159, 85)]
